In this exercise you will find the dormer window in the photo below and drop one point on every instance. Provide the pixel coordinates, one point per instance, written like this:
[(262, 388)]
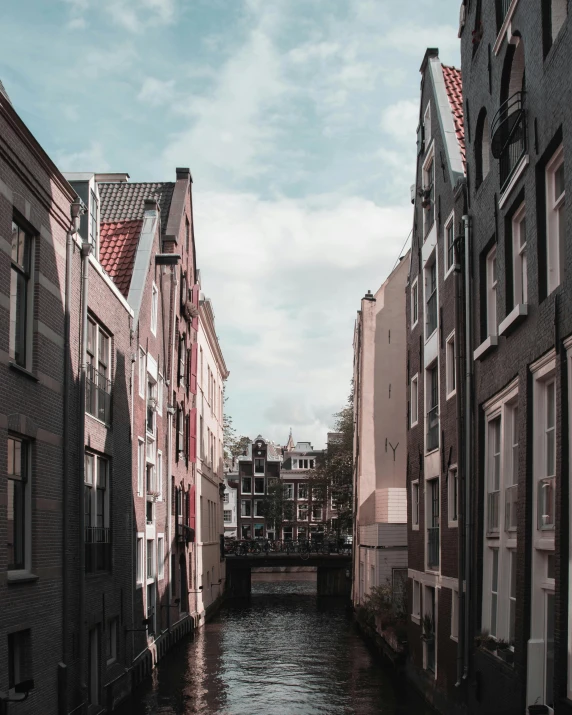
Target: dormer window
[(94, 223)]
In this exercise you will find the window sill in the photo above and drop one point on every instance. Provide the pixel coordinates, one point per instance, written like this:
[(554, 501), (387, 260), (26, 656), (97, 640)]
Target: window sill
[(96, 419), (487, 345), (21, 577), (513, 319), (431, 451), (22, 370), (516, 174), (416, 619), (415, 324), (453, 524), (414, 424), (415, 527), (451, 394)]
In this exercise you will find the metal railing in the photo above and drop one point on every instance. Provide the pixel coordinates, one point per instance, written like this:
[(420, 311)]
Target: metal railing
[(98, 395), (97, 549), (493, 501), (433, 428), (508, 135), (433, 547), (303, 547), (511, 501), (432, 313), (546, 502)]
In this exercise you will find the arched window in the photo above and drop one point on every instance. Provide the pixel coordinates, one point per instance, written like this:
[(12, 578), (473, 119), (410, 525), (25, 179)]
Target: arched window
[(482, 148)]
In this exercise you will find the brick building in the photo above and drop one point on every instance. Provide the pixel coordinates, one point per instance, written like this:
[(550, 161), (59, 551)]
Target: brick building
[(380, 437), (432, 380), (516, 89)]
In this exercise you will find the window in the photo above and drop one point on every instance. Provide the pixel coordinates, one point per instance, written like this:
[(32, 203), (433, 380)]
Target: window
[(226, 498), (415, 504), (511, 488), (520, 280), (493, 473), (555, 201), (227, 516), (289, 491), (182, 360), (111, 641), (454, 615), (547, 481), (247, 485), (150, 559), (259, 531), (482, 149), (512, 598), (453, 496), (258, 507), (19, 657), (302, 512), (159, 476), (151, 405), (302, 491), (246, 507), (154, 308), (139, 553), (427, 124), (416, 608), (96, 506), (258, 466), (428, 200), (21, 296), (161, 557), (491, 291), (432, 392), (317, 513), (414, 303), (494, 586), (554, 14), (259, 485), (98, 384), (450, 243), (94, 224), (18, 506), (433, 524), (431, 293), (141, 462), (414, 400), (450, 355), (287, 533), (142, 373)]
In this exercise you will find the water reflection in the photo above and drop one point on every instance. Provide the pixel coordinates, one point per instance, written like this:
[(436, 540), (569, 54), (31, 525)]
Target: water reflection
[(282, 652)]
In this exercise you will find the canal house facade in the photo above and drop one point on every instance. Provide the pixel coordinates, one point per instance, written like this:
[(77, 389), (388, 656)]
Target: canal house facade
[(432, 384), (380, 438)]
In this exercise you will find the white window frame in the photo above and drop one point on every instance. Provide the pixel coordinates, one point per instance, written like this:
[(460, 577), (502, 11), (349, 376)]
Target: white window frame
[(258, 506), (142, 373), (305, 486), (224, 513), (450, 372), (454, 614), (554, 244), (427, 124), (491, 291), (160, 386), (159, 474), (111, 635), (414, 303), (141, 465), (416, 605), (30, 272), (414, 397), (428, 183), (519, 259), (302, 509), (154, 308), (160, 556), (432, 369), (430, 266), (289, 490), (28, 533), (243, 503), (452, 481), (449, 224), (415, 496), (568, 347), (139, 559)]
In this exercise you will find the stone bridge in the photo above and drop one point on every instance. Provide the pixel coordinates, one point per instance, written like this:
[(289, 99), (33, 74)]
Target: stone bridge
[(333, 571)]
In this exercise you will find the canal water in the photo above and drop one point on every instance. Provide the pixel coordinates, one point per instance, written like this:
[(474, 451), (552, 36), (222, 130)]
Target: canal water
[(284, 651)]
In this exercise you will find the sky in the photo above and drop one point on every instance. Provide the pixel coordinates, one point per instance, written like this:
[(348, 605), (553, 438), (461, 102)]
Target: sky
[(297, 119)]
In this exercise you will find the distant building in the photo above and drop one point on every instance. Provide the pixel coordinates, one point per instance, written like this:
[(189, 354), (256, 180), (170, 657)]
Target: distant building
[(230, 505)]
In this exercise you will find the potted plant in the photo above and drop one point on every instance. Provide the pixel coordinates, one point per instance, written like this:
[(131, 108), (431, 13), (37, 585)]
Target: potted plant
[(505, 651), (485, 641), (537, 709)]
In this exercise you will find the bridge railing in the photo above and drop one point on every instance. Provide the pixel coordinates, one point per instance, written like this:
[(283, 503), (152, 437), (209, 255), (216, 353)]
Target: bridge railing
[(265, 547)]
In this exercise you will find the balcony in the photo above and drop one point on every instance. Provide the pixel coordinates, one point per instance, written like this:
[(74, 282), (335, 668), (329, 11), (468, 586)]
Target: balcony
[(508, 132), (97, 549), (433, 428), (546, 502), (493, 500), (433, 547), (511, 501), (98, 395)]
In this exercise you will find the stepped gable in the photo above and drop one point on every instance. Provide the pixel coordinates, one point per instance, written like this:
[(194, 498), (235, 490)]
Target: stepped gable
[(454, 87)]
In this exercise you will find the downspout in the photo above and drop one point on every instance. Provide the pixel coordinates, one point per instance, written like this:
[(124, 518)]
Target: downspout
[(468, 441), (170, 413), (75, 209), (459, 372), (85, 251)]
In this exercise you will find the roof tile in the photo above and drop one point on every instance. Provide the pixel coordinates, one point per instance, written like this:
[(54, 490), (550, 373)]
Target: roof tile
[(117, 247), (454, 87)]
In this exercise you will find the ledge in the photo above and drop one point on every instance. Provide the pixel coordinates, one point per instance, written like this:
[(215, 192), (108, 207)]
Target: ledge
[(20, 577), (514, 318), (491, 342), (18, 368)]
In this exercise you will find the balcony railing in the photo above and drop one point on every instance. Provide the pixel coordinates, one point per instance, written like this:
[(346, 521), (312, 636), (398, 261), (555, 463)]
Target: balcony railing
[(493, 500), (501, 8), (432, 313), (98, 395), (433, 428), (508, 132), (546, 503), (97, 549), (511, 500), (433, 547)]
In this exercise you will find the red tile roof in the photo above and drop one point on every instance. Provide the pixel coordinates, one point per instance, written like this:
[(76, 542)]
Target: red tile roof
[(454, 87), (117, 248)]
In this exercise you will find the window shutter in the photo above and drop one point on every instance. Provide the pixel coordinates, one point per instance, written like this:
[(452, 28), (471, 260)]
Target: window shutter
[(195, 301), (192, 507), (194, 353), (193, 438)]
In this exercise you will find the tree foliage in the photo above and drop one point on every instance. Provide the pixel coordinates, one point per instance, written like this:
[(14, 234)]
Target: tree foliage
[(276, 507), (233, 446)]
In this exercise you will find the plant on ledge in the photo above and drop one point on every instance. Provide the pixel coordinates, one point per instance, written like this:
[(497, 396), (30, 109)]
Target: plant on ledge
[(428, 626), (386, 610)]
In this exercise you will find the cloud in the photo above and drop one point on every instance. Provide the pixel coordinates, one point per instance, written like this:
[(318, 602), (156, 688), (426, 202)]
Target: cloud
[(132, 15), (156, 92), (90, 159), (400, 120)]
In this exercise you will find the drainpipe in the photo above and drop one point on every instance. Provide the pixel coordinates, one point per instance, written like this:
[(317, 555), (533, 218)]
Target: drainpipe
[(459, 372), (468, 440), (85, 251), (170, 413), (75, 211)]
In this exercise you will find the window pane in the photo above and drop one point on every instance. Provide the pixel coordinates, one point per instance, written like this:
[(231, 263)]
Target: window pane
[(559, 182)]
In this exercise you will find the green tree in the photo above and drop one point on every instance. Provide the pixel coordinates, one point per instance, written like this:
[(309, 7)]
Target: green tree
[(233, 446), (276, 507)]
